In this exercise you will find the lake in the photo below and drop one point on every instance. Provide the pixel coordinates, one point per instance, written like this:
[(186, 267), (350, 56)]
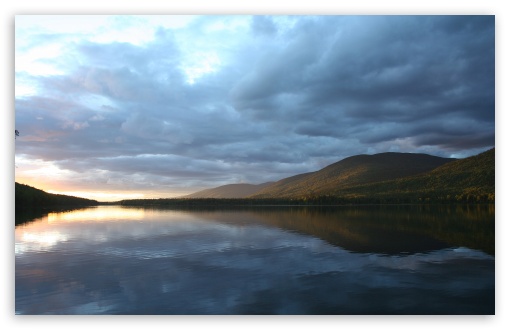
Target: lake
[(402, 259)]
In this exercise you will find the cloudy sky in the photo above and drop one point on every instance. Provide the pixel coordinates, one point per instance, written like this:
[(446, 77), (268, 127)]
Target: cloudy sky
[(112, 107)]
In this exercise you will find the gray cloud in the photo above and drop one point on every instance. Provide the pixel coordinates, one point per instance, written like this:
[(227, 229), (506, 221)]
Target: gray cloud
[(270, 96)]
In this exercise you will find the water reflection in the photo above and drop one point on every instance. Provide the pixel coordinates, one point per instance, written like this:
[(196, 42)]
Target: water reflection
[(396, 260), (386, 229), (111, 213)]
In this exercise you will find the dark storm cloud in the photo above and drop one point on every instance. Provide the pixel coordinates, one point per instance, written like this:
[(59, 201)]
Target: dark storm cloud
[(230, 99), (393, 71)]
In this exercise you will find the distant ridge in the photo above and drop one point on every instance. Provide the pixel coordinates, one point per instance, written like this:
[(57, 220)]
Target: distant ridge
[(352, 171), (236, 190)]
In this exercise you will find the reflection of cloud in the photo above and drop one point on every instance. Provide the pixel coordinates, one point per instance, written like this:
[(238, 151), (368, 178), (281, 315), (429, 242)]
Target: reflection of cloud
[(173, 262), (34, 241), (100, 225)]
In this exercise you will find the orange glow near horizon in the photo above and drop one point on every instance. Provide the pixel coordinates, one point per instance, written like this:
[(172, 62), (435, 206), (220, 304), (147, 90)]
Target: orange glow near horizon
[(103, 196), (100, 196), (50, 178)]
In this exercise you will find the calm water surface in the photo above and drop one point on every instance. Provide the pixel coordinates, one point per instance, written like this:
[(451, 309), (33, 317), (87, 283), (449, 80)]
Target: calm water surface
[(309, 260)]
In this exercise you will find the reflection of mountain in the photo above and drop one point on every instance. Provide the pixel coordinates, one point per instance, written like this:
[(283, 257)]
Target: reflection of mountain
[(380, 229), (238, 190)]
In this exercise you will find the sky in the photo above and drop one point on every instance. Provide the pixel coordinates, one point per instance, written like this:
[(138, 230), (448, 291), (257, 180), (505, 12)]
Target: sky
[(117, 107)]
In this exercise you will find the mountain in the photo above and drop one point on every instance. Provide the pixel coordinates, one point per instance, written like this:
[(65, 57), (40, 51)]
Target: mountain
[(30, 197), (352, 171), (468, 179), (237, 190), (363, 179)]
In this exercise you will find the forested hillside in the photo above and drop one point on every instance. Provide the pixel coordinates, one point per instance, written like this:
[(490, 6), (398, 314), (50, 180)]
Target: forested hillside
[(352, 171), (469, 180), (30, 197)]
